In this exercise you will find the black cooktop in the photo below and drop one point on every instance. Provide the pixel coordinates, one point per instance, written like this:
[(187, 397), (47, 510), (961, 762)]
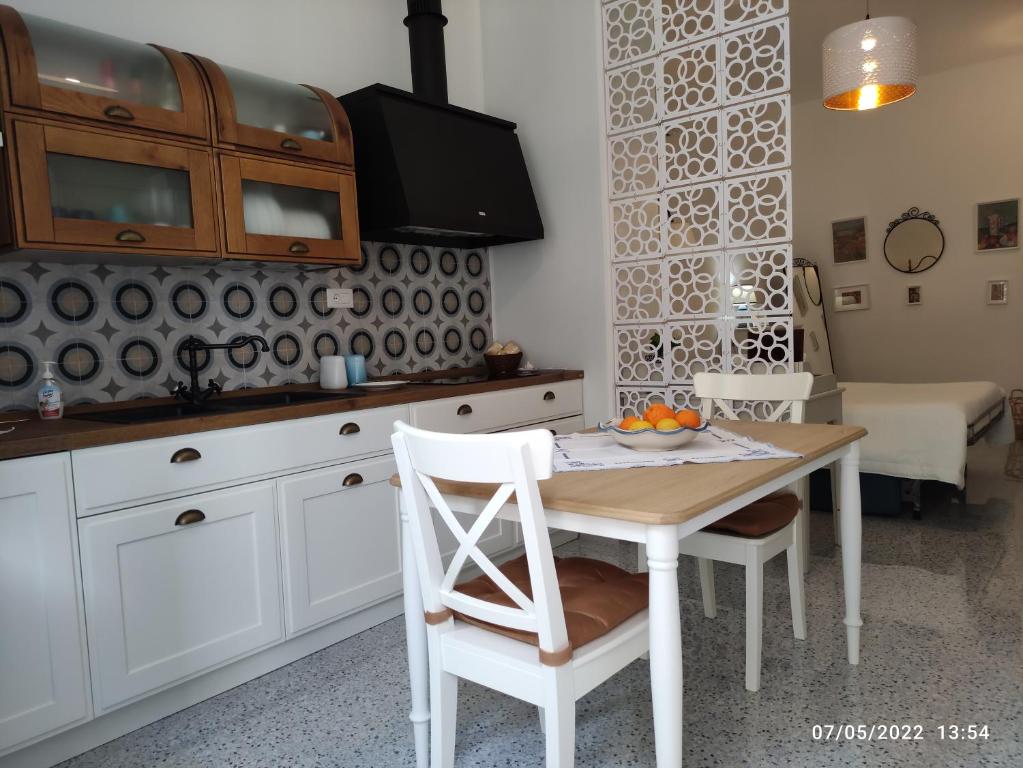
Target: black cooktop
[(475, 378)]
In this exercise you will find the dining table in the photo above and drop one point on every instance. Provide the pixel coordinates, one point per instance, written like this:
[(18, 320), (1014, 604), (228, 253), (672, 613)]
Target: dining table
[(674, 502)]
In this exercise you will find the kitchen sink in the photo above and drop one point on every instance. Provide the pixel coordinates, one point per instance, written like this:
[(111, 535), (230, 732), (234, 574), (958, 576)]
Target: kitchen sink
[(234, 404)]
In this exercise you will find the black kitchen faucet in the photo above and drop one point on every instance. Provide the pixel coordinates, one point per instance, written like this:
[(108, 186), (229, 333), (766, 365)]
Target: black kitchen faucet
[(193, 345)]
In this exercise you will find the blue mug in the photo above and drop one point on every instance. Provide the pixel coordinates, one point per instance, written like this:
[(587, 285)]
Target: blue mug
[(355, 367)]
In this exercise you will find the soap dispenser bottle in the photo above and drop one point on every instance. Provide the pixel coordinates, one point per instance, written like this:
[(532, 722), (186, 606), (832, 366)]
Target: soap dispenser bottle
[(51, 399)]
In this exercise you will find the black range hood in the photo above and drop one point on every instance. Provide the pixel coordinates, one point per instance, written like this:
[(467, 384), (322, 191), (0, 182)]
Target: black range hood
[(430, 173)]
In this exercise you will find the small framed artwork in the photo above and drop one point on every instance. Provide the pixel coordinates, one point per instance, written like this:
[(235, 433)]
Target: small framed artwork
[(913, 297), (852, 297), (998, 225), (997, 291), (849, 240)]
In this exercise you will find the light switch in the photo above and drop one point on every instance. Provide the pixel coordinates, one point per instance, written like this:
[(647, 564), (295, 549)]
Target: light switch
[(340, 298)]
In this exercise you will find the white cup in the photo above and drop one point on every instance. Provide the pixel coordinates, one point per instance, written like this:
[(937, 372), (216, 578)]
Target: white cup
[(332, 372)]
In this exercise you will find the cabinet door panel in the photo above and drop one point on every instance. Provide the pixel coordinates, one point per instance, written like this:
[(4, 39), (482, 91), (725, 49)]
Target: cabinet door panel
[(42, 659), (166, 599), (61, 68), (83, 188), (283, 211), (341, 543)]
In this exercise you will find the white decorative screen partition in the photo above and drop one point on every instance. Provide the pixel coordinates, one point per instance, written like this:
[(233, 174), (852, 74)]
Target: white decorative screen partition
[(698, 135)]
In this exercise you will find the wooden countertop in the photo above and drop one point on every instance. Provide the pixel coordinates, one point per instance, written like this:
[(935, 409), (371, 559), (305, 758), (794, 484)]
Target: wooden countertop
[(673, 495), (35, 436)]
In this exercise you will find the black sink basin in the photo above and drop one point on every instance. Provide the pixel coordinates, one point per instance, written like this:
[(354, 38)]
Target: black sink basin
[(222, 405)]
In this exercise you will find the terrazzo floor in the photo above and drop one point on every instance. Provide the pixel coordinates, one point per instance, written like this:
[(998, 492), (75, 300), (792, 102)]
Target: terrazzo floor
[(942, 644)]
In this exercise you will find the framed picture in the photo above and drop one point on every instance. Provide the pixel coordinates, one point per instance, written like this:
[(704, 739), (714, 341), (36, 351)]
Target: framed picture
[(913, 297), (851, 297), (998, 225), (849, 240), (997, 291)]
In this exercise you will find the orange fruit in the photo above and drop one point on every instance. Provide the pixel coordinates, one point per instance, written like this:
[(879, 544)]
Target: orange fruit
[(687, 417), (666, 425), (627, 422), (639, 424), (656, 412)]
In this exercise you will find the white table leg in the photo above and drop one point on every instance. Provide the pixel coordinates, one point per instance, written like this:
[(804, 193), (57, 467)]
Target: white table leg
[(836, 484), (803, 529), (665, 644), (415, 637), (851, 524)]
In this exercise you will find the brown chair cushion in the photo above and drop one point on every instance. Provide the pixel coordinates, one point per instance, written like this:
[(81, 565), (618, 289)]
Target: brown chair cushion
[(597, 597), (769, 514)]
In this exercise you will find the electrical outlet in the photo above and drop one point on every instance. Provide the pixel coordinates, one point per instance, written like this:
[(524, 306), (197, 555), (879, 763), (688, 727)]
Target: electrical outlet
[(340, 298)]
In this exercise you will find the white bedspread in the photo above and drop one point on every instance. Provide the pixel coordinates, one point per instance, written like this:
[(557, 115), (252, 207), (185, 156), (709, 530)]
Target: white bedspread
[(919, 430)]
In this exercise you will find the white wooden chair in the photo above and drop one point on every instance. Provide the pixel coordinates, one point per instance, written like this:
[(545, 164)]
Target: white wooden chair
[(755, 534), (518, 641)]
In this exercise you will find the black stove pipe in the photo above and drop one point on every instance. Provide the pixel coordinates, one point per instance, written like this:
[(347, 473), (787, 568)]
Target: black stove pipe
[(425, 24)]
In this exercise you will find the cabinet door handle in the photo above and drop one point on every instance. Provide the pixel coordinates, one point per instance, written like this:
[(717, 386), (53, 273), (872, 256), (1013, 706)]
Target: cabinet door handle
[(117, 112), (298, 247), (129, 236), (353, 479), (464, 410), (182, 455), (548, 395), (291, 144), (351, 428), (190, 516), (553, 432)]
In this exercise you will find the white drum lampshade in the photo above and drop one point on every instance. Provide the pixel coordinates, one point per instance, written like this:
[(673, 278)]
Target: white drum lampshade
[(870, 63)]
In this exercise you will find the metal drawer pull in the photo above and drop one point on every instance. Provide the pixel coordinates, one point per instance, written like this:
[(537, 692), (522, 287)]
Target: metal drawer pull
[(190, 516), (118, 112), (464, 410), (291, 144), (351, 428), (548, 395), (129, 236), (182, 455), (298, 247), (353, 479)]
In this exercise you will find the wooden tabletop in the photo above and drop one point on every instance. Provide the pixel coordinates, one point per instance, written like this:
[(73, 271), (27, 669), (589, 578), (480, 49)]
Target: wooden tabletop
[(672, 495)]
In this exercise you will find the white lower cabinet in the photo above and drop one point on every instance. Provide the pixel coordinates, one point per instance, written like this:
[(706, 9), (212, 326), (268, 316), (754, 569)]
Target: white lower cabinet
[(340, 541), (176, 588), (43, 682)]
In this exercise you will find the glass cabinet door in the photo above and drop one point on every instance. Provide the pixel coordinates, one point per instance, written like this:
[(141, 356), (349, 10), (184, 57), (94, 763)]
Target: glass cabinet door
[(84, 188), (289, 212), (58, 67), (284, 118)]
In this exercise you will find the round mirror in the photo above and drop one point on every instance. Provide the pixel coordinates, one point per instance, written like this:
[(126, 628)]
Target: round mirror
[(914, 242)]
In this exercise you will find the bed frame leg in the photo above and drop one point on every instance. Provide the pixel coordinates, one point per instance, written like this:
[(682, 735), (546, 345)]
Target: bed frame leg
[(915, 496)]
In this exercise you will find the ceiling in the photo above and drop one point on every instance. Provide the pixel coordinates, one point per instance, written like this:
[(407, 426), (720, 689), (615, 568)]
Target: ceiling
[(951, 33)]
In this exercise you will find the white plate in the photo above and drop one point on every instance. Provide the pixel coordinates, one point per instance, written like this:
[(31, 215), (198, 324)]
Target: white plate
[(381, 385)]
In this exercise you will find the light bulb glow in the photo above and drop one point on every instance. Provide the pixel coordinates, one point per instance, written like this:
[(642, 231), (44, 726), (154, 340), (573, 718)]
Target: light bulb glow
[(869, 66), (868, 43), (867, 98)]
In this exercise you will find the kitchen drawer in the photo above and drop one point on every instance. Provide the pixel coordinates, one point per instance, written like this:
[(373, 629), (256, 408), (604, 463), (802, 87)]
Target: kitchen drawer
[(177, 588), (491, 411), (128, 474), (564, 426)]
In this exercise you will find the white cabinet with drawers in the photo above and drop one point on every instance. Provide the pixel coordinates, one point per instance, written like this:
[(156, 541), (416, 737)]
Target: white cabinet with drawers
[(175, 588), (43, 681), (262, 543)]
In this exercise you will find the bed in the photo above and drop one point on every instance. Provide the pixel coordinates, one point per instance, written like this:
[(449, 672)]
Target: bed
[(922, 431)]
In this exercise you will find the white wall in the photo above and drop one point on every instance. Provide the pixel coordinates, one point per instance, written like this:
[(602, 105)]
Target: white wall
[(955, 143), (542, 70), (338, 45)]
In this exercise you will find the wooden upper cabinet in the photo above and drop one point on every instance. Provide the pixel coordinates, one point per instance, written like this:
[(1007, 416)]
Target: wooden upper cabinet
[(288, 120), (96, 190), (59, 68), (284, 211)]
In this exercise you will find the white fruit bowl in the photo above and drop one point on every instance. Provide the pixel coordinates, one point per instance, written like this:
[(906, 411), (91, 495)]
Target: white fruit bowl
[(651, 439)]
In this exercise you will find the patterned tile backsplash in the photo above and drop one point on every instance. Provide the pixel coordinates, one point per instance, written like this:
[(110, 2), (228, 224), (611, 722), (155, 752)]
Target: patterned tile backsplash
[(115, 331)]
